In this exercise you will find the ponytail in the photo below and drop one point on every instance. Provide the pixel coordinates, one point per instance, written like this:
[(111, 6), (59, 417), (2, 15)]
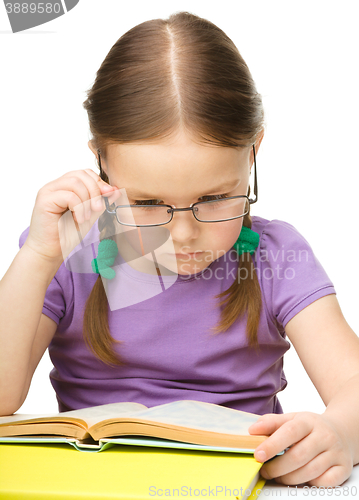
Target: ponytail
[(244, 297), (96, 330)]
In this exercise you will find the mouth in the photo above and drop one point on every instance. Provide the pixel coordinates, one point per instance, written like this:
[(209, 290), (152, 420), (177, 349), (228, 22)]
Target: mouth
[(187, 255)]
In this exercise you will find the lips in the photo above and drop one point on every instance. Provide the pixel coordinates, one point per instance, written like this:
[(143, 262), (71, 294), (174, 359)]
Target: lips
[(188, 255)]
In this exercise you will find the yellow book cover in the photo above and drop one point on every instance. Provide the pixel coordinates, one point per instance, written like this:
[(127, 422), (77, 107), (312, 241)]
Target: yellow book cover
[(37, 471)]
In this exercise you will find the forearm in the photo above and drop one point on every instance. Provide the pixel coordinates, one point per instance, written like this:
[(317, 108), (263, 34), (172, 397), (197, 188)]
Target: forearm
[(343, 410), (22, 293)]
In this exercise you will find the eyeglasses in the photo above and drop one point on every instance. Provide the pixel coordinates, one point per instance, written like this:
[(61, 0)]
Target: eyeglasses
[(219, 210)]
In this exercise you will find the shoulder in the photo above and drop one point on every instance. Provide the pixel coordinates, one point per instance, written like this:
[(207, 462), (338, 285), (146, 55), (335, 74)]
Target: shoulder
[(278, 234), (282, 246), (290, 275), (275, 228)]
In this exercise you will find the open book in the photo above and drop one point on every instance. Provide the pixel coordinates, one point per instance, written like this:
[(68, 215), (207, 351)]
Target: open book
[(183, 424)]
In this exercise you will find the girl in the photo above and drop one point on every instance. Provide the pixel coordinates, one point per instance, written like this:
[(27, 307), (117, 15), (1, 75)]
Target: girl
[(197, 298)]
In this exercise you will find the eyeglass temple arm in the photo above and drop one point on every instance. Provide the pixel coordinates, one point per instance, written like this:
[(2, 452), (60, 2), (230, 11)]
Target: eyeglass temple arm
[(108, 205), (255, 178), (104, 197)]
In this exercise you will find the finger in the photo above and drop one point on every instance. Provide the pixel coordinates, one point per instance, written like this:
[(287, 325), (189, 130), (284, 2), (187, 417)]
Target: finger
[(297, 456), (89, 188), (63, 200), (104, 186), (95, 187), (269, 423), (332, 477), (110, 192), (71, 184), (286, 435), (321, 471), (118, 195)]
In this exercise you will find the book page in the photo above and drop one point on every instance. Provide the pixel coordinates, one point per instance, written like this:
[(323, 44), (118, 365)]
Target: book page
[(96, 414), (91, 415), (26, 417), (200, 415)]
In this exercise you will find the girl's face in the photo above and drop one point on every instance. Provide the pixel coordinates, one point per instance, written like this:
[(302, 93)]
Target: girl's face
[(179, 172)]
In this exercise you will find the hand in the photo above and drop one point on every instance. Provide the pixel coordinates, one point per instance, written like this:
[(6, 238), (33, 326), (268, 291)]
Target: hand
[(319, 452), (78, 191)]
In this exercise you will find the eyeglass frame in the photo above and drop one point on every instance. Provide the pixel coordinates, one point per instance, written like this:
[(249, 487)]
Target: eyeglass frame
[(191, 207)]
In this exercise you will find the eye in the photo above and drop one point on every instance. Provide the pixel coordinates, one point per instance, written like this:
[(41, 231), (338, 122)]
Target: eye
[(216, 197), (158, 202), (146, 202)]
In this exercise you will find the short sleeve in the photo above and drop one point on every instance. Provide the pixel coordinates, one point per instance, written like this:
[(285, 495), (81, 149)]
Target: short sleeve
[(54, 304), (290, 274)]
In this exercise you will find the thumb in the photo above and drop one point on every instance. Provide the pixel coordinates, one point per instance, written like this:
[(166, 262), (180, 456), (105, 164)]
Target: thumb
[(269, 423), (105, 186)]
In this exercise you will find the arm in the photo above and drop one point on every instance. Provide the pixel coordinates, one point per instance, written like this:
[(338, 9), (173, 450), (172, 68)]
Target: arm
[(323, 448), (344, 410), (22, 294), (24, 333), (335, 372)]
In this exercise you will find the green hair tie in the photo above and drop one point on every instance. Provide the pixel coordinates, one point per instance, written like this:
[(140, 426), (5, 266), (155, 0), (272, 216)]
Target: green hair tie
[(248, 241), (107, 251)]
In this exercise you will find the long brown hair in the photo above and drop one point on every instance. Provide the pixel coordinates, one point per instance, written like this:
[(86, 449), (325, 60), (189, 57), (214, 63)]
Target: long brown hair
[(160, 76)]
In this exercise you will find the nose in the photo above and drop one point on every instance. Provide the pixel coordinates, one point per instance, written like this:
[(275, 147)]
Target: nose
[(183, 226)]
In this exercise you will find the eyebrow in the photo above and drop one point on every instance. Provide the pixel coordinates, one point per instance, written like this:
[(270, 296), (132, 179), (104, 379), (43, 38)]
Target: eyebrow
[(225, 186)]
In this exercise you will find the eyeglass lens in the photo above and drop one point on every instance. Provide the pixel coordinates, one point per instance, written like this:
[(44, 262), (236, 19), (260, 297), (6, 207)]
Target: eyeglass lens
[(207, 211)]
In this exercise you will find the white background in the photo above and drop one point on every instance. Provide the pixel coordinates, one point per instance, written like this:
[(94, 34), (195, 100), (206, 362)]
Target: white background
[(304, 59)]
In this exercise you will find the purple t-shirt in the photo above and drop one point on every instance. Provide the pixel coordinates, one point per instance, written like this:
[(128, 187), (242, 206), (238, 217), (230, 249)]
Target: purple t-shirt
[(169, 350)]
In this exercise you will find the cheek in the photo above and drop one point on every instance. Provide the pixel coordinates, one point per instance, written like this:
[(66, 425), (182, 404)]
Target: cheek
[(223, 235), (145, 240)]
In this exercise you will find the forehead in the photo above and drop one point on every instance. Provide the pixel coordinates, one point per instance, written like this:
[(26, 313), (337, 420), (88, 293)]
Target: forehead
[(176, 164)]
